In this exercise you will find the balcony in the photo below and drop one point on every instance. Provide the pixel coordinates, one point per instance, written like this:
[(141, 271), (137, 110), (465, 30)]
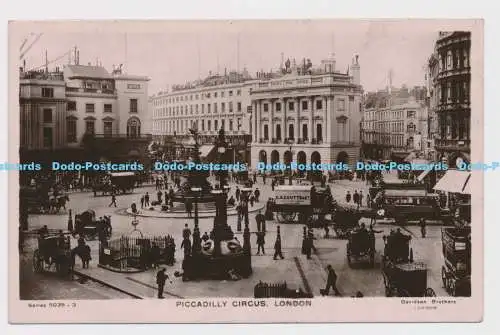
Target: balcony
[(453, 105), (90, 90), (316, 141), (264, 140), (120, 136), (457, 145)]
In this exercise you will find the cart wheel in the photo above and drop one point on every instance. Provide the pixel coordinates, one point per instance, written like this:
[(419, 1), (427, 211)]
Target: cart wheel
[(285, 217), (429, 292), (403, 293), (37, 261), (444, 277)]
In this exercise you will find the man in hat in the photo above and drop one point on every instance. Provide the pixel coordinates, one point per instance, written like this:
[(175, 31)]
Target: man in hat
[(161, 278), (260, 219), (331, 281), (277, 245)]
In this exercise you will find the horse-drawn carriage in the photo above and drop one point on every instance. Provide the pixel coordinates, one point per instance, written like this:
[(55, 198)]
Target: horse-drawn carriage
[(304, 201), (344, 221), (41, 200), (116, 182), (53, 249), (456, 271), (361, 245), (88, 227), (402, 276)]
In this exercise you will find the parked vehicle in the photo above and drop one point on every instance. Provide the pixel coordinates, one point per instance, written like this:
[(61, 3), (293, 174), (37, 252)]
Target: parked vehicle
[(456, 271), (53, 249), (303, 201), (88, 227), (361, 245), (402, 276)]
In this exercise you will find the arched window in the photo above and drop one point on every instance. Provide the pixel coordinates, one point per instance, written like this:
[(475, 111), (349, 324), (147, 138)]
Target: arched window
[(133, 127)]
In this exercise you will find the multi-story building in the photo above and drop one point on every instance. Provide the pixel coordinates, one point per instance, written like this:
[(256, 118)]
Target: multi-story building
[(392, 132), (449, 76), (42, 103), (217, 102), (107, 111), (395, 123), (307, 115), (81, 107)]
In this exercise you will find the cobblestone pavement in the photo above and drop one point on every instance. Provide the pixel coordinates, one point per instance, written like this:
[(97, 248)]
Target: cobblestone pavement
[(296, 270)]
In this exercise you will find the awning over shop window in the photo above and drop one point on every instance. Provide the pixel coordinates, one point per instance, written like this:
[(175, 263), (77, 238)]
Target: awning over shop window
[(405, 193), (122, 174), (205, 150), (454, 181), (410, 157), (423, 175)]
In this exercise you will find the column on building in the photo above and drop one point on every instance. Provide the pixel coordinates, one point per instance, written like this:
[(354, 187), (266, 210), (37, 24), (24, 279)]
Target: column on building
[(258, 105), (297, 106), (284, 130), (254, 120), (331, 114), (326, 126), (271, 118), (310, 111)]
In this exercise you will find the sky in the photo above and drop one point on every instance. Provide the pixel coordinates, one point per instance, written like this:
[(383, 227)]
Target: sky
[(176, 52)]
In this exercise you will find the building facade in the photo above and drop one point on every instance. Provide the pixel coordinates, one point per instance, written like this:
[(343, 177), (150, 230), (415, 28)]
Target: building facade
[(392, 132), (217, 102), (82, 112), (449, 81), (42, 103), (307, 115)]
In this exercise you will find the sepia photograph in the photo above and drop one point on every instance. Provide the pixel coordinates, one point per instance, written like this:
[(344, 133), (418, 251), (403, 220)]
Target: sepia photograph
[(256, 170)]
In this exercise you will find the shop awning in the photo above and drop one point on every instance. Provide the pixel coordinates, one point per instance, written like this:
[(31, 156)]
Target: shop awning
[(410, 157), (423, 175), (405, 193), (205, 150), (122, 174), (454, 181)]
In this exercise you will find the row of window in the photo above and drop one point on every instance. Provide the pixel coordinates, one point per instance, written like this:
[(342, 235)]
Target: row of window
[(454, 128), (191, 97), (133, 128), (291, 132), (169, 126), (392, 115), (393, 140), (195, 109), (453, 91), (454, 59), (108, 108), (341, 105)]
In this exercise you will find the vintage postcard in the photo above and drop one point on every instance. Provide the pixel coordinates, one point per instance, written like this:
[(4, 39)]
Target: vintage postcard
[(246, 171)]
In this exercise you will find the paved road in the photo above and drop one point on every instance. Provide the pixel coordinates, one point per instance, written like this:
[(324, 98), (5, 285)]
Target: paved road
[(330, 251), (45, 286)]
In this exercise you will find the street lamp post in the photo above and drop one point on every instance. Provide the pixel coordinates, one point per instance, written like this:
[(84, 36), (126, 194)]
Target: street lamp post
[(196, 233), (217, 220), (290, 172)]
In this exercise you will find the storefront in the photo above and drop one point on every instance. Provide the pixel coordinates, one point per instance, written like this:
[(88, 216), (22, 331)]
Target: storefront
[(456, 186)]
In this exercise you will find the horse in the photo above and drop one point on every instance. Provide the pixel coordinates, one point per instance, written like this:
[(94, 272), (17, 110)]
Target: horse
[(104, 188), (82, 251), (57, 203)]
